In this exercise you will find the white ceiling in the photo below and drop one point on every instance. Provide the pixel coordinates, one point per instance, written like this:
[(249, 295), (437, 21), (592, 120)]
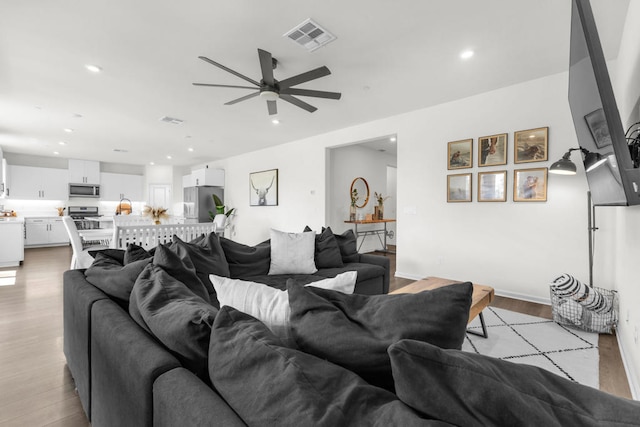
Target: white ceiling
[(390, 57)]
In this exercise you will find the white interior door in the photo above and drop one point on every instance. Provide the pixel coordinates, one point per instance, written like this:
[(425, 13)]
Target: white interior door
[(160, 196)]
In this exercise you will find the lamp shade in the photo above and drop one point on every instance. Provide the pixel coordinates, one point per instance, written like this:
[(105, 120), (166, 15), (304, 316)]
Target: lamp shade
[(564, 166)]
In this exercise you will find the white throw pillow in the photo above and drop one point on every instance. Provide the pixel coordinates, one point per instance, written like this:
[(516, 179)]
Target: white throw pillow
[(271, 305), (292, 253)]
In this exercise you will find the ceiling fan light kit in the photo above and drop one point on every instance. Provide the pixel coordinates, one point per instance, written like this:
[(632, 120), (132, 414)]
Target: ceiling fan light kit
[(270, 89)]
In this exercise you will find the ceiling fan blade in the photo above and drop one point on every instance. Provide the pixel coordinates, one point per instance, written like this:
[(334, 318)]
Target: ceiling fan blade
[(215, 85), (272, 107), (304, 77), (297, 102), (243, 98), (308, 92), (266, 65), (229, 70)]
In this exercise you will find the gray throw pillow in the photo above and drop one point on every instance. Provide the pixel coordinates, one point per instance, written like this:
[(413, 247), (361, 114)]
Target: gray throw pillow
[(292, 253), (327, 253), (181, 269), (178, 318), (472, 389), (302, 390), (113, 278), (246, 261), (348, 245), (364, 326)]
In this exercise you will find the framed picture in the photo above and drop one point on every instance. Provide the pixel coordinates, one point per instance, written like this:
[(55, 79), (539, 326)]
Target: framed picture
[(598, 127), (492, 150), (530, 185), (263, 188), (459, 187), (492, 186), (460, 154), (531, 145)]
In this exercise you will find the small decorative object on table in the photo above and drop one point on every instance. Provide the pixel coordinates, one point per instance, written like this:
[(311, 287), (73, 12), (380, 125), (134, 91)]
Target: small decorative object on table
[(352, 208), (61, 210), (156, 214), (379, 210)]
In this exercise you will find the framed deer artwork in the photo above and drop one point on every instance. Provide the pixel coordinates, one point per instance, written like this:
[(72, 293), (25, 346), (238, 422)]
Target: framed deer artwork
[(263, 188)]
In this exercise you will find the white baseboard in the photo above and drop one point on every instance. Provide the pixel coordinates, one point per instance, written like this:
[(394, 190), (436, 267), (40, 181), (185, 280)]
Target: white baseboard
[(632, 376), (408, 276)]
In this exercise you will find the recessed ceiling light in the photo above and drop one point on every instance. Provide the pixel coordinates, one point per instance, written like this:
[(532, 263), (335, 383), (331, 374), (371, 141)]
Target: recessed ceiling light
[(62, 143), (93, 68), (169, 157), (68, 130), (56, 153), (275, 121), (152, 163), (392, 139), (466, 54), (190, 149)]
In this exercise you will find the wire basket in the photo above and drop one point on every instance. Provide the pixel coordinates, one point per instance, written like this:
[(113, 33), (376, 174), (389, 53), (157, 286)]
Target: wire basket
[(567, 311)]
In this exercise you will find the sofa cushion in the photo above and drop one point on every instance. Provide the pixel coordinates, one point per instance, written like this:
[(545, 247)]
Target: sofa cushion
[(302, 390), (176, 316), (270, 305), (292, 253), (113, 278), (207, 257), (327, 253), (117, 254), (245, 261), (365, 271), (136, 253), (471, 389), (181, 269), (348, 245), (364, 326)]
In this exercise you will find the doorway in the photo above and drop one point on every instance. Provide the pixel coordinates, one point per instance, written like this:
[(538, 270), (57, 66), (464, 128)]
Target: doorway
[(375, 160), (160, 195)]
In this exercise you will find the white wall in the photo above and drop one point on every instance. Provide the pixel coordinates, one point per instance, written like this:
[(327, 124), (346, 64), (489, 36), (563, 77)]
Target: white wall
[(625, 222), (347, 163)]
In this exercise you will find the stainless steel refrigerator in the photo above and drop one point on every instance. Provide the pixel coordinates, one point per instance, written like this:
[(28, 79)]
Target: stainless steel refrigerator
[(198, 201)]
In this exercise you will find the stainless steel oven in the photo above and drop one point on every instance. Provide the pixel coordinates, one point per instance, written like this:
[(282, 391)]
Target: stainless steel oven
[(81, 215)]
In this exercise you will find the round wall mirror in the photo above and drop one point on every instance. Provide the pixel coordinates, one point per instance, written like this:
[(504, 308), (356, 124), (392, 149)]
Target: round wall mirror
[(361, 188)]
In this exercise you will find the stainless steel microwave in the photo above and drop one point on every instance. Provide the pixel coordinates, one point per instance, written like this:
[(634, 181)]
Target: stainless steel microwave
[(84, 190)]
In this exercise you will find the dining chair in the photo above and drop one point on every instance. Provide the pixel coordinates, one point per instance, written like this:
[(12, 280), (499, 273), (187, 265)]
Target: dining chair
[(81, 257)]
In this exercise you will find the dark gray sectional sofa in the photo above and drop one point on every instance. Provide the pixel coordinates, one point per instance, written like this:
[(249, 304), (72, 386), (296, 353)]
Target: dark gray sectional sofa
[(365, 359), (126, 377)]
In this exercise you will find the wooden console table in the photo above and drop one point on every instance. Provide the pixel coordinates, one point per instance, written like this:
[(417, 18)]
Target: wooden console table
[(375, 232)]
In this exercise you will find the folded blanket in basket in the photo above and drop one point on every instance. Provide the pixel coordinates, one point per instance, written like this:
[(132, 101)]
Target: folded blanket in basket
[(567, 286)]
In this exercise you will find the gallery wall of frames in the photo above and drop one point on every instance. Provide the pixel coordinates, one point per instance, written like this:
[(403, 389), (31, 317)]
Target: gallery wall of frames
[(493, 152)]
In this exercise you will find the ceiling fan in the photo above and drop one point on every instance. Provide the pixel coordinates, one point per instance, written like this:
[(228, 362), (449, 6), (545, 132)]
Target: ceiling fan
[(271, 89)]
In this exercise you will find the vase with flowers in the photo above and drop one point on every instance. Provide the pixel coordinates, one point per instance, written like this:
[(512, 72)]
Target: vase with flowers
[(379, 210), (352, 208), (156, 213)]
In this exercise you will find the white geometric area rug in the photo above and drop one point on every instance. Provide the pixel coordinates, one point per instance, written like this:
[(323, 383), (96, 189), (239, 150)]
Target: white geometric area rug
[(520, 338)]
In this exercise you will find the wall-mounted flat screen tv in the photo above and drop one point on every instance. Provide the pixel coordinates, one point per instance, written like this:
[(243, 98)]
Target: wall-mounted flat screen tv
[(613, 182)]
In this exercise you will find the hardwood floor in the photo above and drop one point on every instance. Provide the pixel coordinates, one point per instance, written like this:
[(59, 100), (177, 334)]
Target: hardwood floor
[(36, 388)]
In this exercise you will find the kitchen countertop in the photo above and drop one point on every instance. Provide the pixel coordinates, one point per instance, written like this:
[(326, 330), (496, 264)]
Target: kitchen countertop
[(11, 219)]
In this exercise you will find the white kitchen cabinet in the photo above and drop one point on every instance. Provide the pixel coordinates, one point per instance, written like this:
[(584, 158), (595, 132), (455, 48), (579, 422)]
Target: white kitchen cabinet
[(205, 176), (43, 231), (12, 247), (35, 183), (84, 171), (117, 186)]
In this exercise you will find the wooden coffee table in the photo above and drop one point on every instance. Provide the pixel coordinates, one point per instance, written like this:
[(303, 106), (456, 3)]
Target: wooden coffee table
[(481, 298)]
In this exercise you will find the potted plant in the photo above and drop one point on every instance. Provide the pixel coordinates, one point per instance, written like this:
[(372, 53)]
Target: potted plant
[(220, 216), (379, 210)]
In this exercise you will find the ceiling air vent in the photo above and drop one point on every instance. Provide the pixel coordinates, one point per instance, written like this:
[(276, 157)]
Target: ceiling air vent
[(310, 35), (171, 120)]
